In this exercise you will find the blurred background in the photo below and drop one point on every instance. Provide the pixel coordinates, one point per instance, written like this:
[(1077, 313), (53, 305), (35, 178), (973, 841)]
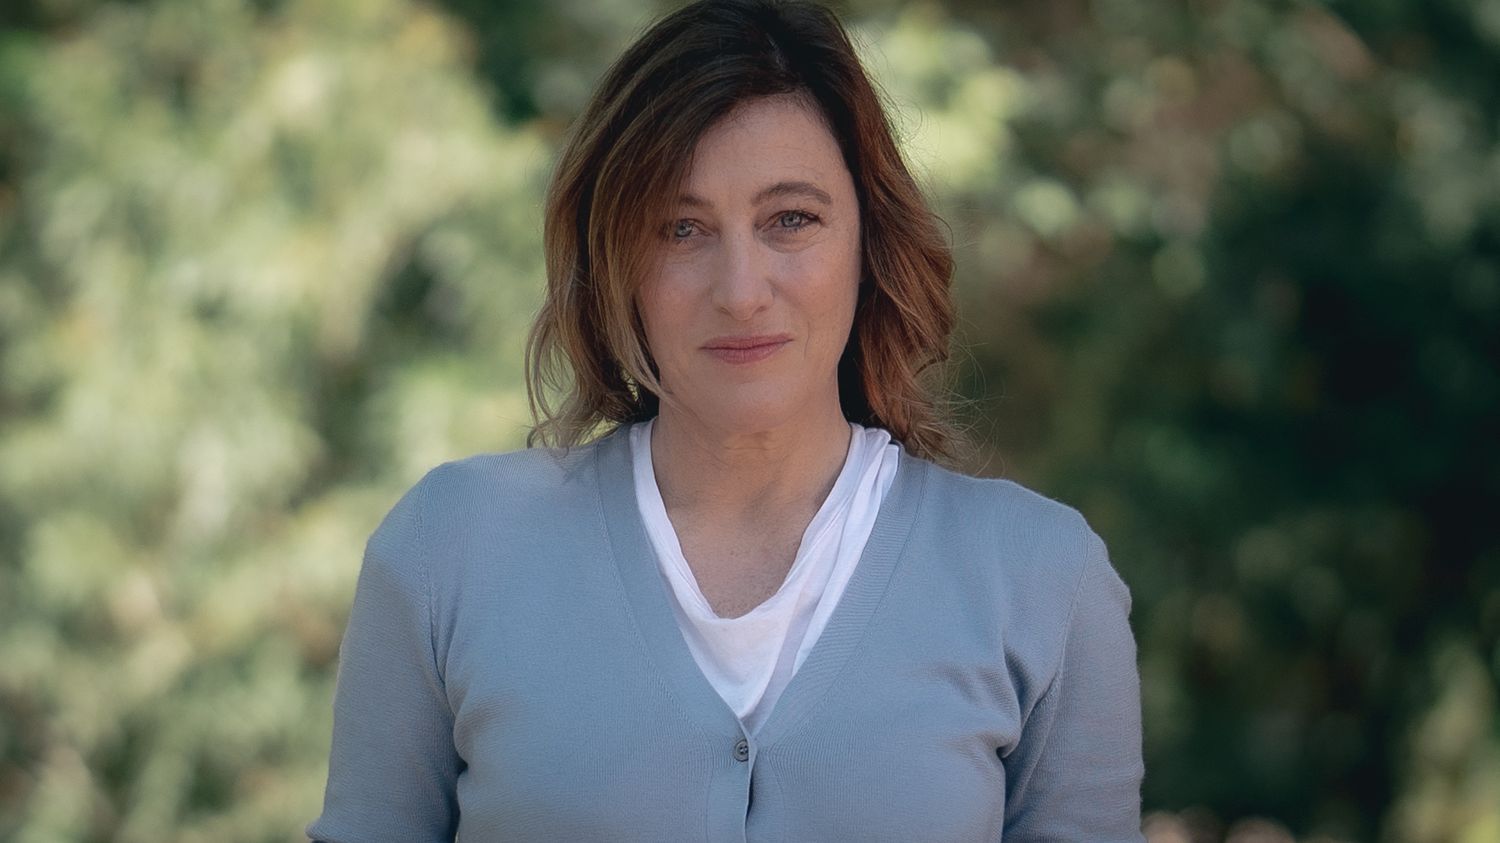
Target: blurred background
[(1229, 277)]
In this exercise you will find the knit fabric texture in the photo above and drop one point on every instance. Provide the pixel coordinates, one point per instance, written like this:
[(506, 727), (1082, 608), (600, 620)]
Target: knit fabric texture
[(512, 670)]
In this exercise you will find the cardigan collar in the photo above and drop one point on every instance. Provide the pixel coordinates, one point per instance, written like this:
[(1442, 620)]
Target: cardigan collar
[(649, 603)]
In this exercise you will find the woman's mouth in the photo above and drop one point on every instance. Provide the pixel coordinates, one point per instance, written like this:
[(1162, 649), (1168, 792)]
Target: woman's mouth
[(746, 349)]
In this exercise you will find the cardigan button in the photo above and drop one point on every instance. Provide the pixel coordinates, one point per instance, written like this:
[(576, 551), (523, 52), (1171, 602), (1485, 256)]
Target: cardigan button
[(742, 750)]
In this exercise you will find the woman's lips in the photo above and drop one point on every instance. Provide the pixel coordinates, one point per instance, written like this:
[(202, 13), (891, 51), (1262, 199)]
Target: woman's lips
[(751, 354)]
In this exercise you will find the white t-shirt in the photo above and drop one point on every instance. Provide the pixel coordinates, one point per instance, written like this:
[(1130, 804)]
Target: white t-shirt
[(751, 658)]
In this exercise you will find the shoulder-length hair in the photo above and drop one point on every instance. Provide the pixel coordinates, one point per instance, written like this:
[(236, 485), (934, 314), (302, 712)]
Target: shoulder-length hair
[(614, 186)]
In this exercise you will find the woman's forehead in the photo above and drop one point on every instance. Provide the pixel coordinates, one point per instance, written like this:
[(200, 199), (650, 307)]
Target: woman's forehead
[(791, 114), (763, 150), (803, 189)]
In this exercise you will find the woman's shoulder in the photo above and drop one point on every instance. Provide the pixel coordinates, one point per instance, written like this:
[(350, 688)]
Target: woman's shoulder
[(520, 473), (491, 488), (1028, 542), (1035, 554), (999, 506)]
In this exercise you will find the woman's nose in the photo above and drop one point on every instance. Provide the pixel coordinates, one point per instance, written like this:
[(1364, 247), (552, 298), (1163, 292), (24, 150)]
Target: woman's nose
[(742, 286)]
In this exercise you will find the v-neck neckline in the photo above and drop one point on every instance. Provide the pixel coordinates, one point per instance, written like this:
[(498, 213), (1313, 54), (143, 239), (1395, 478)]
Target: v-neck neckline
[(648, 497), (650, 604)]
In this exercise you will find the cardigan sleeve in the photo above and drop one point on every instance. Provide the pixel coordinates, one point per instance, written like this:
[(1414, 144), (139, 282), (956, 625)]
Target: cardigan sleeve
[(393, 768), (1076, 772)]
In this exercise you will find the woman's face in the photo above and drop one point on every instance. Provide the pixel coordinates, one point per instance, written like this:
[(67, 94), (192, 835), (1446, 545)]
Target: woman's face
[(762, 250)]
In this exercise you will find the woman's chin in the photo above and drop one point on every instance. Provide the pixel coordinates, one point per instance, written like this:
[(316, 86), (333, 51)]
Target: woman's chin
[(748, 413)]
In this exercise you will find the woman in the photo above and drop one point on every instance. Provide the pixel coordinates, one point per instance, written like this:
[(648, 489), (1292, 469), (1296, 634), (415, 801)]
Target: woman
[(756, 608)]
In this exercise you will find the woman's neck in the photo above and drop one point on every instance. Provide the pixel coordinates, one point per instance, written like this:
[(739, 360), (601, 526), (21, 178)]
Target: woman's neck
[(737, 474)]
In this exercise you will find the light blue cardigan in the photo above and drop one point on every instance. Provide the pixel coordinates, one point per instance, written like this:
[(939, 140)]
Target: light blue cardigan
[(512, 671)]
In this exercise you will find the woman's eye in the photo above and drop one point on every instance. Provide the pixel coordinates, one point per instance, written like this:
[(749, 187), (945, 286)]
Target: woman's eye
[(787, 221), (800, 220), (679, 232)]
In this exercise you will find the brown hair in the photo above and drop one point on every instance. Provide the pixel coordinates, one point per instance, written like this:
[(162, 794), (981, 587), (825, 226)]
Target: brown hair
[(624, 162)]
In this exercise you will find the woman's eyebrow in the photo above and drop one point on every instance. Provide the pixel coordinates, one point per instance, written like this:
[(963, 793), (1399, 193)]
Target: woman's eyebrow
[(780, 189)]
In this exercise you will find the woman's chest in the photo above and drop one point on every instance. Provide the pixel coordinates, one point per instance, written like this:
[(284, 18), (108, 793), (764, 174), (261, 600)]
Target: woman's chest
[(737, 571), (574, 725)]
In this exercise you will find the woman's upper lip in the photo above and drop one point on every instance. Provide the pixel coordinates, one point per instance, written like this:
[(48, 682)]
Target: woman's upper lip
[(746, 341)]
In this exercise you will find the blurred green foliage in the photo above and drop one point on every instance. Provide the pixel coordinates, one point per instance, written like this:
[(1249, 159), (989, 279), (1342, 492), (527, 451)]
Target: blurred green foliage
[(1229, 281)]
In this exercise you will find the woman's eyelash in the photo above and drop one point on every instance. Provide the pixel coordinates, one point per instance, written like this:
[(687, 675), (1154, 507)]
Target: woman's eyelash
[(808, 218)]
